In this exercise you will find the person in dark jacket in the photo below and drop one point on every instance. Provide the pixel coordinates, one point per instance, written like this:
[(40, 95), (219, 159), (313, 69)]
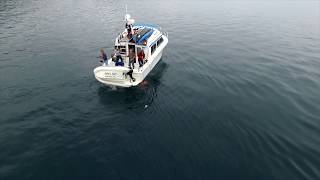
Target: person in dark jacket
[(103, 57), (129, 73), (132, 58), (129, 30)]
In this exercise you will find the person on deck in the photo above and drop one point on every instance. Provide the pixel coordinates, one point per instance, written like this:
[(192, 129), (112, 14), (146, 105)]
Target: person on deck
[(129, 29), (132, 58), (129, 73), (141, 57), (119, 59), (103, 57)]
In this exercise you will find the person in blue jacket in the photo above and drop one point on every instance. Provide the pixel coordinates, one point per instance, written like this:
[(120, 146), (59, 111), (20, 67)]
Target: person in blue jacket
[(117, 58)]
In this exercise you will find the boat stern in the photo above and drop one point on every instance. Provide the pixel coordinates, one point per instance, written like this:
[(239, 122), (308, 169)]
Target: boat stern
[(114, 76)]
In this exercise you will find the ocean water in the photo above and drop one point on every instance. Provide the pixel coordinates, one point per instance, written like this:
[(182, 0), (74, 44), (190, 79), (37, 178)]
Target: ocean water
[(235, 96)]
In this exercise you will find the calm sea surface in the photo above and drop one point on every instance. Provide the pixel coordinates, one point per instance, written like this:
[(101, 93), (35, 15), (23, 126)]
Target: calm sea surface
[(235, 96)]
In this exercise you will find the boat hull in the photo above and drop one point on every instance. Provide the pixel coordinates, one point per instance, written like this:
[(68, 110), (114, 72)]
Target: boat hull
[(118, 75)]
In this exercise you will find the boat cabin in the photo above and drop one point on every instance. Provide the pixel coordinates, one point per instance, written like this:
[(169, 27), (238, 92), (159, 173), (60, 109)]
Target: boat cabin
[(146, 37)]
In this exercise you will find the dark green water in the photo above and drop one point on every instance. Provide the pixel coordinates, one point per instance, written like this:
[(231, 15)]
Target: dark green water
[(236, 95)]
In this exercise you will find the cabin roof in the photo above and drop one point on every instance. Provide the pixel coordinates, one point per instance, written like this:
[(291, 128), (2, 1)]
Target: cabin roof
[(143, 33)]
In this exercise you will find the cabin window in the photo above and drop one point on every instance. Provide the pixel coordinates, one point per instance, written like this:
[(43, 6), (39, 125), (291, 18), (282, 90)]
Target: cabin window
[(159, 42), (153, 48)]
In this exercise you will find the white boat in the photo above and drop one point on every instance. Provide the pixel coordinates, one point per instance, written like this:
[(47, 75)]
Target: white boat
[(146, 37)]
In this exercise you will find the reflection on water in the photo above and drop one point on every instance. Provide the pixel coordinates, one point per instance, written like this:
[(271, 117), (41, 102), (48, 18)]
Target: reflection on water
[(134, 97)]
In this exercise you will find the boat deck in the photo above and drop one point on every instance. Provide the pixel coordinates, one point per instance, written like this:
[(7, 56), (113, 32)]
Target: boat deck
[(126, 64)]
